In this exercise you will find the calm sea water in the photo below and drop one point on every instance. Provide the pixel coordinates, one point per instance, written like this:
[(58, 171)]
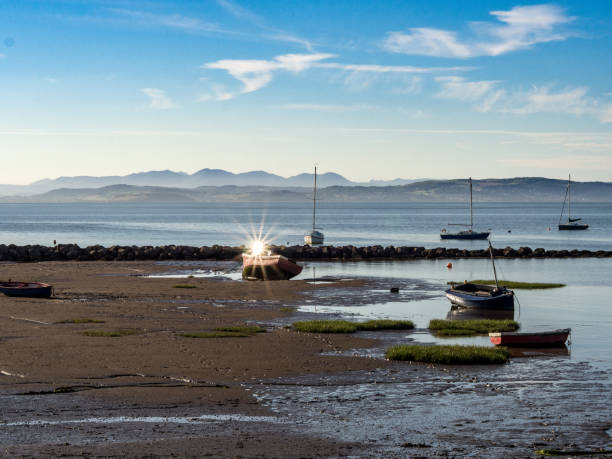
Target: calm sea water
[(513, 224)]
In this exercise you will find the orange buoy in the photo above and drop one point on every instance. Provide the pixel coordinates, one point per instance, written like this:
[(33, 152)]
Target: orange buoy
[(449, 265)]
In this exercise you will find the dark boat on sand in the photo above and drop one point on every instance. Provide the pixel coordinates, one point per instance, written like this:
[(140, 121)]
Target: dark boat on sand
[(535, 339), (26, 289), (269, 267), (470, 295)]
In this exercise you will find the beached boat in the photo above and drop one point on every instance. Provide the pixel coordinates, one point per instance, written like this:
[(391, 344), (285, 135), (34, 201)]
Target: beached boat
[(572, 223), (470, 295), (269, 267), (26, 289), (535, 339), (315, 237), (469, 233)]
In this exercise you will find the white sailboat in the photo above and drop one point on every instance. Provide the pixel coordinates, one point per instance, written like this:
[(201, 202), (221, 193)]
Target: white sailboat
[(315, 237)]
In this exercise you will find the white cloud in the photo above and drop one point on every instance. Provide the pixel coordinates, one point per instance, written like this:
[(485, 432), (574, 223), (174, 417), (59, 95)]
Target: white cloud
[(454, 87), (175, 21), (159, 99), (544, 100), (326, 107), (255, 74), (518, 28), (606, 114)]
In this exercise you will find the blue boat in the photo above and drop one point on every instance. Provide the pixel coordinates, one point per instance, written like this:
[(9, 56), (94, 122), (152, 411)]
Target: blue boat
[(470, 295), (26, 289), (465, 234)]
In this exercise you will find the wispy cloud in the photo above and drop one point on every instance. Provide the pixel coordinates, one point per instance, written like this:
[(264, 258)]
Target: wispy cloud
[(455, 87), (170, 20), (271, 33), (255, 74), (545, 100), (329, 108), (515, 29), (159, 99)]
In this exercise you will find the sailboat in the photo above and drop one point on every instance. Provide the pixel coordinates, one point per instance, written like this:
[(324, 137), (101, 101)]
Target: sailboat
[(315, 237), (469, 295), (465, 234), (571, 222)]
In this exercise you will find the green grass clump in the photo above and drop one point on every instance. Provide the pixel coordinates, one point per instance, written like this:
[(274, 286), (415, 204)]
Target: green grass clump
[(455, 332), (217, 334), (110, 333), (514, 284), (475, 327), (325, 326), (83, 320), (184, 286), (251, 329), (452, 355), (239, 331), (374, 325), (287, 309), (344, 326)]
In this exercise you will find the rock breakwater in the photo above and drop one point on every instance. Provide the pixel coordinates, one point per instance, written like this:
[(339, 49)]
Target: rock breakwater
[(61, 252)]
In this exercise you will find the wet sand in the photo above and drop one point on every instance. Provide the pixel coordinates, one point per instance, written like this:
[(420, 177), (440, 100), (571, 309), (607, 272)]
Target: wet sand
[(154, 372), (274, 394)]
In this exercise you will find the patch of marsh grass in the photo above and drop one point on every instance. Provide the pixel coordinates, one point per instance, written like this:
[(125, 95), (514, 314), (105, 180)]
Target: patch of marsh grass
[(344, 326), (287, 309), (579, 453), (238, 331), (515, 284), (110, 333), (82, 320), (184, 286), (476, 327), (451, 355)]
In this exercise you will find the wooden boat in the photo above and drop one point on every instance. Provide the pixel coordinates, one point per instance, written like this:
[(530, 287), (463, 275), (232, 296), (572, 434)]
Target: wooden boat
[(315, 237), (269, 267), (26, 289), (469, 233), (535, 339), (572, 223), (469, 295)]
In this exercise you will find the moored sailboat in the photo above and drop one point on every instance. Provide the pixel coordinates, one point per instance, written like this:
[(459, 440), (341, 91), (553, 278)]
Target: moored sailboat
[(572, 223), (469, 233), (315, 237), (470, 295)]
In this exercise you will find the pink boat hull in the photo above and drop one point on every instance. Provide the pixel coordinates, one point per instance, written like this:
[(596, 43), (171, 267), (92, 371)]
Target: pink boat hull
[(269, 267), (536, 339)]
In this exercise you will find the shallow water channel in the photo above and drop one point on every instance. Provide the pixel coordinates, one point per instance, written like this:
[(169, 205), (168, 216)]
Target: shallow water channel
[(558, 398)]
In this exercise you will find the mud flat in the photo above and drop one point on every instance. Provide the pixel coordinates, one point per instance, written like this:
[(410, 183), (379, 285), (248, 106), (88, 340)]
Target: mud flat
[(153, 391)]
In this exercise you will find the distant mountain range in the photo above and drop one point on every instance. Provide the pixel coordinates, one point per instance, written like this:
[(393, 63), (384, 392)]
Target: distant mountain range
[(524, 189), (204, 177)]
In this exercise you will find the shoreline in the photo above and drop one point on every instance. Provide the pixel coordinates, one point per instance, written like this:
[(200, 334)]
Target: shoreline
[(73, 252)]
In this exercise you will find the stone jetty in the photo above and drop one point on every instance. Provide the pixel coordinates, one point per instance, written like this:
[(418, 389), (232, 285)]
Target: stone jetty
[(65, 252)]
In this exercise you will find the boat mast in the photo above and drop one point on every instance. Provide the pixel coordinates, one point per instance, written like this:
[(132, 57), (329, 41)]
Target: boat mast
[(314, 201), (471, 212), (493, 262), (569, 198)]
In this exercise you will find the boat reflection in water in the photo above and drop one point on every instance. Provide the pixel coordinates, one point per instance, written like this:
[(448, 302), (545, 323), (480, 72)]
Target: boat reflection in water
[(459, 313)]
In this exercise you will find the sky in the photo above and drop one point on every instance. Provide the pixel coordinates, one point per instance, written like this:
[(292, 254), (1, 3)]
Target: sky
[(368, 89)]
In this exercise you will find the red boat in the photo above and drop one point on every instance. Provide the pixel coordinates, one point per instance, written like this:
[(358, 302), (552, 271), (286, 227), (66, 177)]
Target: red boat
[(26, 289), (535, 339), (269, 267)]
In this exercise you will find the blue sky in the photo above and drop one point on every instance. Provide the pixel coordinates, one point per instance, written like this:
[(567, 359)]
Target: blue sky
[(381, 89)]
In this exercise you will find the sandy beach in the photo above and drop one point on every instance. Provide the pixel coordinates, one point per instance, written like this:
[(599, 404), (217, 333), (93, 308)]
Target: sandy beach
[(156, 393)]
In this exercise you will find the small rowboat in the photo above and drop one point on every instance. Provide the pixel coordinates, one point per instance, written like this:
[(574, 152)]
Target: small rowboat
[(269, 267), (26, 289), (535, 339), (470, 295)]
